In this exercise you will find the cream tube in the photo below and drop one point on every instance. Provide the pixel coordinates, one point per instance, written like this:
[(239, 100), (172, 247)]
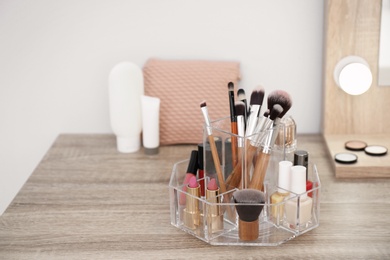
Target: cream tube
[(150, 124), (126, 85)]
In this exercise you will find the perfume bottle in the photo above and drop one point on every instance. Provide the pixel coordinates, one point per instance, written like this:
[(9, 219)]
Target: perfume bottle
[(286, 139), (277, 211), (299, 206)]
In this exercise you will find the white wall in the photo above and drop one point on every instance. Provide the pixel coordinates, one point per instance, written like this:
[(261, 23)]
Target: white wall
[(55, 57)]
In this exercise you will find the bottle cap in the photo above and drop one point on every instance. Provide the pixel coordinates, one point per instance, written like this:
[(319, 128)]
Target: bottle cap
[(284, 176), (128, 144), (193, 165), (151, 151), (298, 180), (301, 157)]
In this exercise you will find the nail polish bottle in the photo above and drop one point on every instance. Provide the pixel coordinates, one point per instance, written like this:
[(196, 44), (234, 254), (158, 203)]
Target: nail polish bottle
[(277, 211), (301, 157), (299, 205)]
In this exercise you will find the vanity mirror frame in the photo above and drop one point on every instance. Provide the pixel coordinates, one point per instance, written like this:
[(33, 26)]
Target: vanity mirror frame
[(352, 27)]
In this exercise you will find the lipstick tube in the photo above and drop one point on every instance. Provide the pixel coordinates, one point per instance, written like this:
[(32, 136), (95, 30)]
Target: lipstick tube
[(191, 214), (214, 212)]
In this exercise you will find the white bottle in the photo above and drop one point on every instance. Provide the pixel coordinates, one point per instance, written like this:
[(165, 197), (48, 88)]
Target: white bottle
[(298, 214), (150, 124), (126, 85)]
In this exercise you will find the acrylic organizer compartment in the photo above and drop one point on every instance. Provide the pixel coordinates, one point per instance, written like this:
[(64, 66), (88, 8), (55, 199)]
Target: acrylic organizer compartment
[(215, 220)]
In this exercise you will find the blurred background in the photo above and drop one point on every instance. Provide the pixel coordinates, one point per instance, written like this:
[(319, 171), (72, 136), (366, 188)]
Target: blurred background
[(55, 57)]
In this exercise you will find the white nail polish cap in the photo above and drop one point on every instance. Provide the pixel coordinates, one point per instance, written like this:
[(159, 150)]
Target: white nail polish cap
[(298, 180), (284, 176)]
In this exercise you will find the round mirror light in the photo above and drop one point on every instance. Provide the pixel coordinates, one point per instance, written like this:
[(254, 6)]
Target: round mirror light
[(353, 75)]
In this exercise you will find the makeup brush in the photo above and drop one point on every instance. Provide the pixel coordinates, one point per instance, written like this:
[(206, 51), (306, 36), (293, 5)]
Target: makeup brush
[(256, 102), (233, 122), (213, 147), (282, 98), (237, 178), (240, 111), (241, 97), (267, 142), (249, 205)]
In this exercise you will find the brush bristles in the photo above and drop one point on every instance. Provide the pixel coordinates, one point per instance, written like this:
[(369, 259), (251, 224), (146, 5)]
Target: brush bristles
[(282, 98), (246, 197), (240, 108), (257, 96), (231, 86), (203, 104), (266, 113), (241, 94), (275, 111)]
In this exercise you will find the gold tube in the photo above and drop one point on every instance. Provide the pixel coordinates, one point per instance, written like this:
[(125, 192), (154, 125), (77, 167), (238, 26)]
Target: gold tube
[(214, 213), (191, 212)]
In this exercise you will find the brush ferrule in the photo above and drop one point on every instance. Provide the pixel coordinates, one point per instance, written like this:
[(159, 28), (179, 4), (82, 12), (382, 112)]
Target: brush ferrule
[(260, 132), (240, 130), (248, 231), (270, 138), (207, 120), (252, 119)]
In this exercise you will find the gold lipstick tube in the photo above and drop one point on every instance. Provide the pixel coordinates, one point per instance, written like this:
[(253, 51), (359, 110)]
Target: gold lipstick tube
[(191, 214), (214, 212)]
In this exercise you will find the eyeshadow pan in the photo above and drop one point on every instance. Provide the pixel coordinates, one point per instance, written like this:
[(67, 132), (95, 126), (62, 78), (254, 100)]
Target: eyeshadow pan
[(355, 145), (376, 150), (346, 158)]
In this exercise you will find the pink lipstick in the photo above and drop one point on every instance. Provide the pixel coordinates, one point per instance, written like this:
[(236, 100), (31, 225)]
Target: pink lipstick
[(214, 213), (191, 172), (191, 212)]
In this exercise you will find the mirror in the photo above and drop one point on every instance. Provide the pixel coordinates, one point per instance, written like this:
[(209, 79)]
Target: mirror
[(384, 46)]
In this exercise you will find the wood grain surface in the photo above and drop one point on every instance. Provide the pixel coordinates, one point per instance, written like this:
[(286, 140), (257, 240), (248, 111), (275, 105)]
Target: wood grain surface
[(367, 166), (352, 27), (87, 201)]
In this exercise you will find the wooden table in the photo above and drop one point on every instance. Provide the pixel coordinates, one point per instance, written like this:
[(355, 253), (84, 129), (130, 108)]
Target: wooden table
[(87, 201)]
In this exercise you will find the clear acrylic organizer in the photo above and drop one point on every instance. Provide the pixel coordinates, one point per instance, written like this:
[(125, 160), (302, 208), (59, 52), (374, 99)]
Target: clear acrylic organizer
[(217, 222)]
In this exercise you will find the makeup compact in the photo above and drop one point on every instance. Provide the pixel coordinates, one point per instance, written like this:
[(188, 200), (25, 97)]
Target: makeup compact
[(346, 158), (376, 150), (355, 145)]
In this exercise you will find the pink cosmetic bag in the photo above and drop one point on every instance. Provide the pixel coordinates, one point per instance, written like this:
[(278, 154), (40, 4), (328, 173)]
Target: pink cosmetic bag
[(181, 86)]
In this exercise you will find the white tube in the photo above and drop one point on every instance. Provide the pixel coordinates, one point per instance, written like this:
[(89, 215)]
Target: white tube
[(150, 124), (126, 85)]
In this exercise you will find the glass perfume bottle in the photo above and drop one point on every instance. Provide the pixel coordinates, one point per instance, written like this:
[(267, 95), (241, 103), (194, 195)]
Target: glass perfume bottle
[(299, 206), (286, 139)]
